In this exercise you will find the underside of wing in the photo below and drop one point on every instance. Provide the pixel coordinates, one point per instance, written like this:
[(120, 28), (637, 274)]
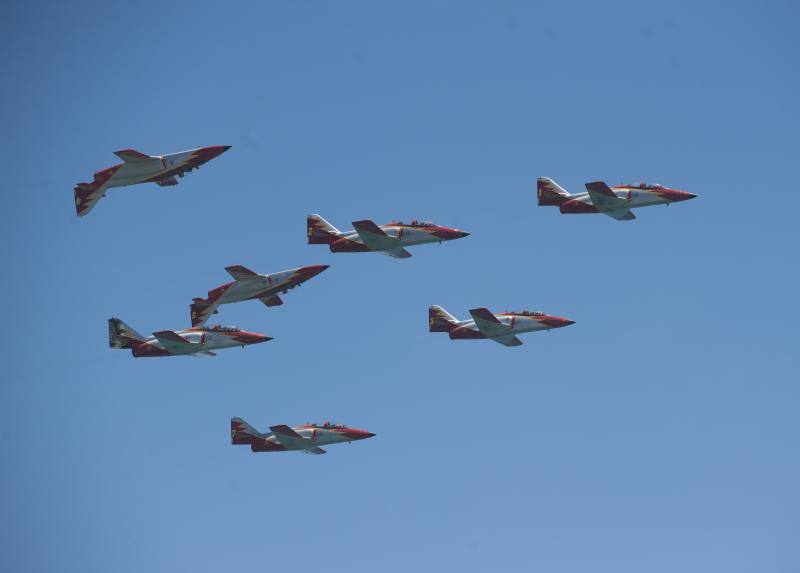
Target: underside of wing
[(397, 253), (620, 214), (507, 340), (173, 341), (271, 300), (315, 450), (373, 236), (487, 323), (167, 181)]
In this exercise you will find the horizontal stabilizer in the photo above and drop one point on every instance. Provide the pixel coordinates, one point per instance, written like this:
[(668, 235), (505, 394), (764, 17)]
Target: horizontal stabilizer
[(132, 156), (272, 300), (373, 236), (240, 273)]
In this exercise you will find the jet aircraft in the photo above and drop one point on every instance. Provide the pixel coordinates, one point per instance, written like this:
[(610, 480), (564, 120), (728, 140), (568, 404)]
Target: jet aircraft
[(248, 285), (389, 239), (137, 167), (615, 202), (502, 327), (306, 438), (198, 340)]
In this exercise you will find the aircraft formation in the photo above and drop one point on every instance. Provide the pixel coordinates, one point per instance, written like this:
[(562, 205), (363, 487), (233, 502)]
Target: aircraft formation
[(392, 239)]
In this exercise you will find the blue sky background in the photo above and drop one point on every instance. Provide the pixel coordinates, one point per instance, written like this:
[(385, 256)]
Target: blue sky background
[(658, 434)]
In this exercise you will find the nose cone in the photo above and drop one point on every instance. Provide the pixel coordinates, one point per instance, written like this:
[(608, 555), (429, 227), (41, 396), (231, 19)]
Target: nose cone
[(674, 195), (448, 234), (557, 321), (355, 434), (208, 153), (306, 273), (252, 337)]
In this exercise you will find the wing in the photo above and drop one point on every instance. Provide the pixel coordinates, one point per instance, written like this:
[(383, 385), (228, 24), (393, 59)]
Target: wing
[(373, 236), (240, 273), (620, 214), (167, 181), (397, 253), (603, 197), (291, 439), (487, 323), (173, 341), (271, 300), (507, 340), (133, 156), (86, 197), (315, 450)]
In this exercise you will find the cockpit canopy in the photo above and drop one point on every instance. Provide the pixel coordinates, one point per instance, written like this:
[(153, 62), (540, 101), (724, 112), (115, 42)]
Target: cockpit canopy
[(414, 223), (220, 328), (643, 185), (527, 312), (326, 425)]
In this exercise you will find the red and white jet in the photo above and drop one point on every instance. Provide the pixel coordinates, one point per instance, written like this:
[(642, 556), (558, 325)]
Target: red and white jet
[(138, 167), (389, 239), (198, 340), (306, 438), (501, 328), (615, 202), (248, 285)]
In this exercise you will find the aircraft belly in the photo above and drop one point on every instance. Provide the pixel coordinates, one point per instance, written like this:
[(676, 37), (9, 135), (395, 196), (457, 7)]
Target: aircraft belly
[(245, 291), (130, 174)]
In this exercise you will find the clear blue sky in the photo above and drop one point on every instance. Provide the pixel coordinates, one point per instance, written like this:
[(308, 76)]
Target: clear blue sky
[(658, 434)]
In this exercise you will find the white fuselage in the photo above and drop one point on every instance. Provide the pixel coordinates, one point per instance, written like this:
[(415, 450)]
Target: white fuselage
[(407, 236), (259, 286), (518, 324), (318, 437), (134, 172), (633, 198), (202, 341)]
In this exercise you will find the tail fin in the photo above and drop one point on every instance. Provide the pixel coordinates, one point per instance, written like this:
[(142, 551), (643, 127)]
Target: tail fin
[(120, 335), (550, 193), (320, 232), (439, 320), (244, 433)]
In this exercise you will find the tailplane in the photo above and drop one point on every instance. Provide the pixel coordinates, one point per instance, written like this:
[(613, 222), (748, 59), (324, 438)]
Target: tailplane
[(550, 193), (320, 232), (244, 433), (439, 320), (120, 335)]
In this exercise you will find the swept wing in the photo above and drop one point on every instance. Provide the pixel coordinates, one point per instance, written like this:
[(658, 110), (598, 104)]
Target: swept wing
[(373, 236), (294, 441)]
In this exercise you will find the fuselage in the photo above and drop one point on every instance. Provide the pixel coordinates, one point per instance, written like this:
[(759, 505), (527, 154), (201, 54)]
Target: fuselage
[(320, 435), (407, 236), (642, 195), (261, 286), (158, 168), (519, 323), (202, 338)]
